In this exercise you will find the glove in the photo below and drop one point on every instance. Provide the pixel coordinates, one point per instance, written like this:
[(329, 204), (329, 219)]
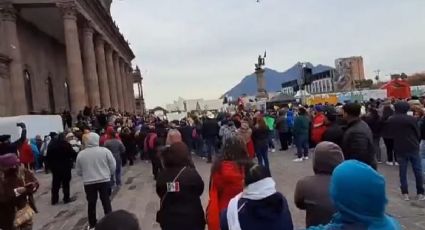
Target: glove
[(21, 124)]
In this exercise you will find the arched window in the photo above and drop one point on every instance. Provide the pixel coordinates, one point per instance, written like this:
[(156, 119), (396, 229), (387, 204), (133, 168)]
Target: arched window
[(28, 91), (51, 94)]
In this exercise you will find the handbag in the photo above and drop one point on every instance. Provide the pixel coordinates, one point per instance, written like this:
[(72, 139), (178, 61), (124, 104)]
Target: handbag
[(26, 214), (165, 195)]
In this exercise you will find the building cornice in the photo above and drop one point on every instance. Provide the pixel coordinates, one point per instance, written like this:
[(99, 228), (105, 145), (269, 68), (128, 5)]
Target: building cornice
[(104, 20)]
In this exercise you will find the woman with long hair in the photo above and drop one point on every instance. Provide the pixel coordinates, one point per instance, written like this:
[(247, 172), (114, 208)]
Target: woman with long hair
[(227, 176), (260, 136), (179, 187)]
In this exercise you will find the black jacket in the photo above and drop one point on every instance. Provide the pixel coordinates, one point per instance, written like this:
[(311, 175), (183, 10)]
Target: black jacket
[(357, 143), (260, 137), (183, 209), (405, 132), (333, 133), (375, 125), (60, 156), (186, 133), (210, 128)]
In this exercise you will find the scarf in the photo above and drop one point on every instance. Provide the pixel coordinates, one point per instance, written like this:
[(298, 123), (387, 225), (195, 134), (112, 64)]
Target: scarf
[(256, 191)]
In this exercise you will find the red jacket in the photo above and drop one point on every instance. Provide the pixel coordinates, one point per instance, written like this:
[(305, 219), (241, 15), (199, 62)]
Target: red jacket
[(25, 153), (226, 183), (108, 135), (317, 132)]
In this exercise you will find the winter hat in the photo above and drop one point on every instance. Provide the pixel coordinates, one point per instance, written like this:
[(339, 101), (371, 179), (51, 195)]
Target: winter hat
[(318, 108), (9, 160), (118, 220)]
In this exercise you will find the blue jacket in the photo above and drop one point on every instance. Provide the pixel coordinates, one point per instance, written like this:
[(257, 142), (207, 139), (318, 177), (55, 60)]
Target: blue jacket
[(290, 118), (271, 213), (358, 192)]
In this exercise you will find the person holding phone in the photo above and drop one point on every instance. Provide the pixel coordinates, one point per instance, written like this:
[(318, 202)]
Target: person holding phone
[(17, 185)]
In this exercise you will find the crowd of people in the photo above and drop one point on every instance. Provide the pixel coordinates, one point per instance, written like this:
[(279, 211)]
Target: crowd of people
[(242, 192)]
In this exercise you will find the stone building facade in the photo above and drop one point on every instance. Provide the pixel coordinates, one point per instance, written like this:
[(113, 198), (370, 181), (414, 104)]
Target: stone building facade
[(60, 55)]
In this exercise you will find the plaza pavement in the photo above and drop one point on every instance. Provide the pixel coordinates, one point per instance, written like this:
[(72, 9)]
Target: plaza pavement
[(138, 196)]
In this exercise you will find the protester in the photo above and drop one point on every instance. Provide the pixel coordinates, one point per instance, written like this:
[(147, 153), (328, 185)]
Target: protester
[(17, 185), (301, 134), (227, 130), (259, 206), (270, 123), (312, 192), (319, 126), (173, 136), (260, 136), (357, 142), (179, 187), (129, 140), (117, 220), (422, 144), (151, 148), (358, 193), (334, 132), (26, 156), (108, 135), (375, 124), (227, 176), (60, 158), (246, 134), (37, 155), (282, 128), (210, 130), (117, 149), (186, 132), (387, 112), (96, 165), (74, 142), (6, 146), (290, 119), (406, 147)]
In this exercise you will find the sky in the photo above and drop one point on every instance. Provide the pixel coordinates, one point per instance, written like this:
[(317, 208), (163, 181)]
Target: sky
[(202, 48)]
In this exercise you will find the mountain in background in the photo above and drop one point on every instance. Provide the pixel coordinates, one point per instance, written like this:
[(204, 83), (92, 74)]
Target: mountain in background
[(274, 80)]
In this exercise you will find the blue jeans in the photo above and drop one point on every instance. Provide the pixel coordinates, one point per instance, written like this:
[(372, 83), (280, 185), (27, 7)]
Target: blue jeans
[(416, 162), (270, 137), (422, 152), (302, 145), (263, 158)]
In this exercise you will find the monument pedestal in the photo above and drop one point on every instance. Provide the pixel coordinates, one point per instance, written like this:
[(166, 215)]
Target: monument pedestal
[(261, 84)]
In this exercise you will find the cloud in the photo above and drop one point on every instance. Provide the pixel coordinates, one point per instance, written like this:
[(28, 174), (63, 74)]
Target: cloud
[(201, 48)]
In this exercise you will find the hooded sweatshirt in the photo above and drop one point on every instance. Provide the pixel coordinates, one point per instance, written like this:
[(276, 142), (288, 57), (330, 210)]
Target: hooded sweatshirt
[(95, 164), (358, 193), (259, 206), (312, 192)]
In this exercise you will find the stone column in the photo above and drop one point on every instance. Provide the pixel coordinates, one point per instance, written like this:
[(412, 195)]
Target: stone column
[(105, 98), (10, 36), (90, 72), (111, 78), (124, 85), (118, 80), (130, 85), (73, 54)]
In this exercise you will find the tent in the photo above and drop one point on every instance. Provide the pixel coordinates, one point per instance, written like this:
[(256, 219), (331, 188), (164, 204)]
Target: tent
[(397, 89)]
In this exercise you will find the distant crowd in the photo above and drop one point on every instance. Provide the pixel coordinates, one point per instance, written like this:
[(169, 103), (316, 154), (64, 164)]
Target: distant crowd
[(346, 192)]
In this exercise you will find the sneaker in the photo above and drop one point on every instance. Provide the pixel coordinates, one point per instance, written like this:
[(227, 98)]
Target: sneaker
[(379, 162), (395, 164), (406, 197), (389, 163), (70, 200), (298, 160), (273, 150), (88, 228), (421, 197), (305, 158)]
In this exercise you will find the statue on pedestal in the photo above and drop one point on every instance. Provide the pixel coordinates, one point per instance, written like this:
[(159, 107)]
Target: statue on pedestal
[(259, 71)]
